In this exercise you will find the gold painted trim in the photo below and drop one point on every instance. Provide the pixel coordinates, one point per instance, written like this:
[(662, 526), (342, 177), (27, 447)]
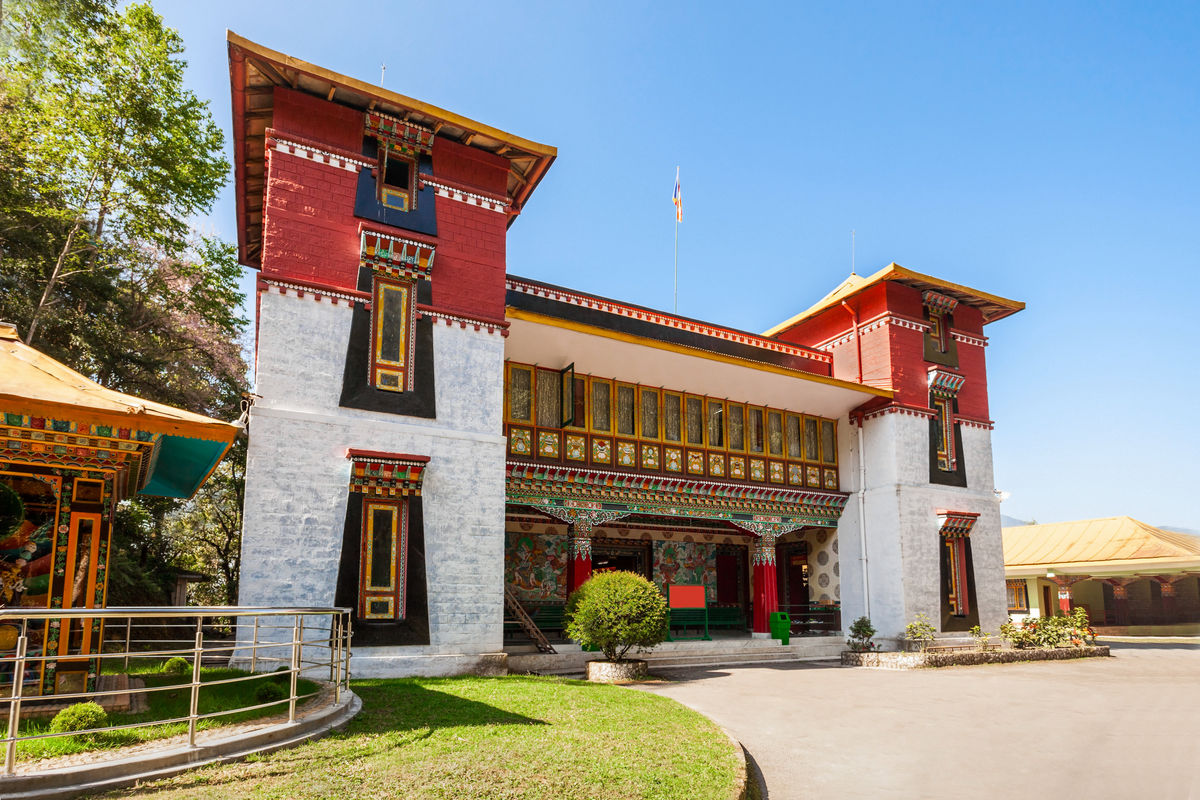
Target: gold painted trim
[(555, 322)]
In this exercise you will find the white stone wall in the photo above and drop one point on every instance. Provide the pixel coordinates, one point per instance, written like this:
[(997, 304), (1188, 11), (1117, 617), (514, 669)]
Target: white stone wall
[(903, 545), (297, 479)]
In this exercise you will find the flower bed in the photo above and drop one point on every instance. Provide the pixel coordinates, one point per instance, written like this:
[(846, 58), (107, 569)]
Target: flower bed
[(967, 657)]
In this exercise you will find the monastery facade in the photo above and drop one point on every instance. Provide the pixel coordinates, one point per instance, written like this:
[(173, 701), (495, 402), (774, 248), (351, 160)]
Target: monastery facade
[(438, 440)]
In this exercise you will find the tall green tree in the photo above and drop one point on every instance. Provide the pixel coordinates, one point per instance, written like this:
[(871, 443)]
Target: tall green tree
[(105, 158)]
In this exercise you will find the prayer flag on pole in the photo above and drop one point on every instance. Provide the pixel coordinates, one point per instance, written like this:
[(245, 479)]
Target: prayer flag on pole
[(677, 198)]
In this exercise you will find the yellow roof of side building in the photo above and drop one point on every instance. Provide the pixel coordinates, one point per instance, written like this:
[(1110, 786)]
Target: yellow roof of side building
[(1115, 545), (993, 306)]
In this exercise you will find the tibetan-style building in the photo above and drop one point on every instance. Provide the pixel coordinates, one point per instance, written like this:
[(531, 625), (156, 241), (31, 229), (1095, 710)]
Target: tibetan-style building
[(438, 438), (70, 450), (1128, 576)]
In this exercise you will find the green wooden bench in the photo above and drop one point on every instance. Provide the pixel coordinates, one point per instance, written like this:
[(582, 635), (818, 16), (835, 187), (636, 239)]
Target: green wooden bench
[(727, 617)]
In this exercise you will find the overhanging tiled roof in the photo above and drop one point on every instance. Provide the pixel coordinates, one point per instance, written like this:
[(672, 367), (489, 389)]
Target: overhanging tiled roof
[(1098, 545)]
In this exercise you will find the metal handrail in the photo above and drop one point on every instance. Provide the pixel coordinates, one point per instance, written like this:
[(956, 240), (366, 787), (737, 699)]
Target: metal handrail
[(327, 646)]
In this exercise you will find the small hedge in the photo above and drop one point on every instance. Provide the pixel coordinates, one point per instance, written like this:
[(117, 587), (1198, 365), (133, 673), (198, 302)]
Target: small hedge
[(615, 612), (269, 692), (79, 717), (177, 666)]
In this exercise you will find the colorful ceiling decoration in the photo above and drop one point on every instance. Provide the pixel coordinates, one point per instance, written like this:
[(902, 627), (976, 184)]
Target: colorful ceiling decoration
[(396, 256), (377, 474), (551, 487)]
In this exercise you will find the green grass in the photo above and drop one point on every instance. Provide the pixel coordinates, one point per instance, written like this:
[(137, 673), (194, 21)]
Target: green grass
[(515, 737), (165, 704)]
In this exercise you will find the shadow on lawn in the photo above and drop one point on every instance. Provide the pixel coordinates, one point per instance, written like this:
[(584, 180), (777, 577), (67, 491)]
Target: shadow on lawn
[(401, 705)]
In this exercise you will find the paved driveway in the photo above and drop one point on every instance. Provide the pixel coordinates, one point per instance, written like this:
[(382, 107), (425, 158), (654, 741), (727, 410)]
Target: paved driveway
[(1126, 727)]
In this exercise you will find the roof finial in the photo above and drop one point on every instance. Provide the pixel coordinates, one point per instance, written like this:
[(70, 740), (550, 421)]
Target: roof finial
[(382, 72), (852, 251)]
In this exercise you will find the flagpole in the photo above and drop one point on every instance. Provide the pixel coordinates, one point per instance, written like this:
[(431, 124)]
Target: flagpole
[(676, 309)]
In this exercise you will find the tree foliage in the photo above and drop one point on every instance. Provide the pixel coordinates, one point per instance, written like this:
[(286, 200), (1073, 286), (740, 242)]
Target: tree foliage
[(616, 612), (105, 158)]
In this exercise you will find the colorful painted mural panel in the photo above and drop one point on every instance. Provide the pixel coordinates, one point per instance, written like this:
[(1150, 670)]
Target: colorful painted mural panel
[(535, 566), (687, 563)]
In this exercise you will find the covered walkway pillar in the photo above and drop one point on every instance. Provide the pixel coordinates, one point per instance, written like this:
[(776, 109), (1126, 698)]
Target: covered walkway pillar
[(579, 565), (1120, 590), (766, 582), (580, 522), (1065, 582)]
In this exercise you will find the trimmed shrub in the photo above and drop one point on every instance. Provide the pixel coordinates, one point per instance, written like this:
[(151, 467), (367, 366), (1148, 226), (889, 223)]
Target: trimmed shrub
[(861, 632), (269, 692), (79, 717), (615, 612), (1059, 631), (177, 666)]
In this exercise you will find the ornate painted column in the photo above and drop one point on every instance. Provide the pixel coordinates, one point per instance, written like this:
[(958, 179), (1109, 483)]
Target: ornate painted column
[(1065, 582), (766, 582), (1120, 590), (1169, 610), (579, 563), (580, 522)]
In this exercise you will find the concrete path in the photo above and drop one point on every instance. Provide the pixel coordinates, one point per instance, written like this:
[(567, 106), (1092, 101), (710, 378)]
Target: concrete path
[(1127, 726)]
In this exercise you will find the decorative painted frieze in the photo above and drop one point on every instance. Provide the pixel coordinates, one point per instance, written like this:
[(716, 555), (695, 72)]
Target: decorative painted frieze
[(400, 136), (583, 517), (396, 256), (560, 491), (944, 383), (309, 292), (386, 474), (956, 524), (940, 303), (486, 202)]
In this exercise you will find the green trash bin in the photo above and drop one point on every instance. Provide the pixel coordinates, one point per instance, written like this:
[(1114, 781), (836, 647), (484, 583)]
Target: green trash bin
[(780, 623)]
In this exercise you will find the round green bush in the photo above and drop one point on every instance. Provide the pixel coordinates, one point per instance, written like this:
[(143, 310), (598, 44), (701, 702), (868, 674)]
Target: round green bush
[(269, 692), (615, 612), (177, 666), (79, 717)]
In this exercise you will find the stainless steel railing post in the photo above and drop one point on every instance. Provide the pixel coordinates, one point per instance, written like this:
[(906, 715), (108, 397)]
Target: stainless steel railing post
[(254, 647), (297, 633), (194, 709), (14, 706), (128, 635)]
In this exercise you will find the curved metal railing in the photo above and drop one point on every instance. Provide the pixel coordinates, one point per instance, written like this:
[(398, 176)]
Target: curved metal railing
[(309, 642)]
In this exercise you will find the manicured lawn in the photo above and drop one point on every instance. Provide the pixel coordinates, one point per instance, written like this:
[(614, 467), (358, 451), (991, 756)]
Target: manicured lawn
[(167, 704), (514, 737)]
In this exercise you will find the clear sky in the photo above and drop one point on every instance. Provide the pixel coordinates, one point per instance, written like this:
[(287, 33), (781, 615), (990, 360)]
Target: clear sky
[(1043, 152)]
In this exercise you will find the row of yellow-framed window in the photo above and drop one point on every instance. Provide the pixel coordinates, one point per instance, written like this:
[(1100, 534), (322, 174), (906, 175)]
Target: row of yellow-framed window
[(549, 398)]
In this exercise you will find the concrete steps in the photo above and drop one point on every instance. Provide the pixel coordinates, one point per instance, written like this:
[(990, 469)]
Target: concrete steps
[(571, 660)]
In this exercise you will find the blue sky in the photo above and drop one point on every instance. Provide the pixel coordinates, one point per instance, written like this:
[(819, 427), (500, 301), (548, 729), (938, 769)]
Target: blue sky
[(1044, 153)]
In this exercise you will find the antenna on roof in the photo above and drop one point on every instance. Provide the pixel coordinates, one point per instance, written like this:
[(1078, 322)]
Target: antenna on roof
[(851, 251), (382, 72)]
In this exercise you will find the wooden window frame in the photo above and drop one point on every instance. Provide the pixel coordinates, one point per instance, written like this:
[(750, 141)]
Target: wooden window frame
[(724, 445), (821, 423), (750, 429), (387, 195), (396, 590), (729, 406), (800, 436), (767, 412), (381, 367), (637, 417), (612, 399), (511, 366), (959, 585), (641, 435), (703, 443), (682, 418), (1022, 588)]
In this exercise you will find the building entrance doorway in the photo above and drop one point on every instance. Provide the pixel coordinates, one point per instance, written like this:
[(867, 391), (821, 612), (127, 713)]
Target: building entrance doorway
[(609, 555)]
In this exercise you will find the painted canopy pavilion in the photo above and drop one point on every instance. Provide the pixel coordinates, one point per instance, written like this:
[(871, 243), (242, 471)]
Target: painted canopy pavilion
[(70, 450)]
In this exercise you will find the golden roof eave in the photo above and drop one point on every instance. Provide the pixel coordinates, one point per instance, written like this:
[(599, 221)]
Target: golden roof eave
[(992, 306)]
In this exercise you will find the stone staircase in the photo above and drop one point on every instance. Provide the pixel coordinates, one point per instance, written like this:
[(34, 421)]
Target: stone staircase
[(570, 659)]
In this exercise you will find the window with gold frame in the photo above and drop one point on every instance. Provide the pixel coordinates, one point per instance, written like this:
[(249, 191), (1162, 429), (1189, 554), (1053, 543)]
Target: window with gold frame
[(794, 436), (693, 406), (716, 424), (737, 426), (673, 417), (547, 398), (775, 433), (626, 416), (601, 405), (648, 406), (520, 393), (828, 441), (755, 428), (812, 439), (392, 315), (382, 565)]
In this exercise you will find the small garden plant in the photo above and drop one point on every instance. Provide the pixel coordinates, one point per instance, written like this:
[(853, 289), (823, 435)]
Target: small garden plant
[(920, 632), (79, 717), (177, 666), (861, 634), (981, 638), (615, 612), (1059, 631)]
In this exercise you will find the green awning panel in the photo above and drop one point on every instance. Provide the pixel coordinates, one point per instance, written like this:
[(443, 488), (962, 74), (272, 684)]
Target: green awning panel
[(179, 465)]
